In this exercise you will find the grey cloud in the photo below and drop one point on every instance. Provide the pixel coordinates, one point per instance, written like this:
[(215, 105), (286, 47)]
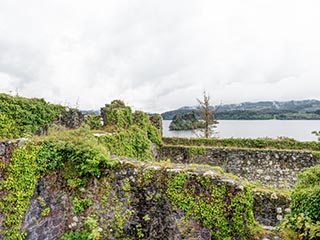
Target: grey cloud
[(158, 55)]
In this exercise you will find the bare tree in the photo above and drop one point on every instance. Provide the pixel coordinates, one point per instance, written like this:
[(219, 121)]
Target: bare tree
[(207, 115)]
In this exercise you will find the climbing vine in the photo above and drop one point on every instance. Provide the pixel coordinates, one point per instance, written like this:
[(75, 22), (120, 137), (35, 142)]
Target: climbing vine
[(226, 211), (22, 116), (17, 188), (304, 218)]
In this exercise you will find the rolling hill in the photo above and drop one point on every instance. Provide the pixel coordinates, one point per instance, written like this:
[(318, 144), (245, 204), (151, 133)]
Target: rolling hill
[(264, 110)]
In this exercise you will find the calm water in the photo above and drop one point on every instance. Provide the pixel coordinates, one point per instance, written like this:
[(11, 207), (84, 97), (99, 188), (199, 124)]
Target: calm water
[(298, 129)]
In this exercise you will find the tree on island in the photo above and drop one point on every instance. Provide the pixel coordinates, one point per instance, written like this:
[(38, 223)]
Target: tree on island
[(207, 115), (187, 121)]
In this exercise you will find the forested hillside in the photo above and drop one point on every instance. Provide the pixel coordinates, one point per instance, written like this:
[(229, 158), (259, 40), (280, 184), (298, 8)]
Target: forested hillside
[(290, 110)]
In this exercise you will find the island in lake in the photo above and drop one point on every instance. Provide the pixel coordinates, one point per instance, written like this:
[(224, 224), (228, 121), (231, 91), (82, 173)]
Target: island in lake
[(187, 121)]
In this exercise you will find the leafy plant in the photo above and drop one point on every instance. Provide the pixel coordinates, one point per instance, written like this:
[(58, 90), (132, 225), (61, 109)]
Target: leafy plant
[(21, 117), (259, 143), (304, 218), (18, 186)]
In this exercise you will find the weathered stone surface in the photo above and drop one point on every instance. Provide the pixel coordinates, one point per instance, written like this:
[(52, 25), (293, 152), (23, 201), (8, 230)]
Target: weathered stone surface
[(127, 196), (269, 207), (47, 195), (278, 168), (123, 196)]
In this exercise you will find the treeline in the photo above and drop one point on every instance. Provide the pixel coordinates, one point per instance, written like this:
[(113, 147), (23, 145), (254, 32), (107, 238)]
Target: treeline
[(263, 114), (266, 114)]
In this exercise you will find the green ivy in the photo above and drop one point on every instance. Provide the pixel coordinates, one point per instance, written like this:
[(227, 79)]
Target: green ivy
[(132, 142), (18, 184), (79, 205), (22, 116), (8, 127), (196, 151), (93, 121), (304, 218), (141, 119), (227, 212), (117, 114), (90, 233), (259, 143)]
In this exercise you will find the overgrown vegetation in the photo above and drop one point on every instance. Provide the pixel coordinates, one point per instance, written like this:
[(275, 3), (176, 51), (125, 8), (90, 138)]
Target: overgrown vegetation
[(20, 117), (259, 143), (133, 134), (304, 219), (202, 200), (16, 190), (76, 154), (91, 231), (93, 121), (116, 114)]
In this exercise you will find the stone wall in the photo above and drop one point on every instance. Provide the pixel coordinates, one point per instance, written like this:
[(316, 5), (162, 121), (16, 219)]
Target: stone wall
[(131, 201), (278, 168), (270, 207)]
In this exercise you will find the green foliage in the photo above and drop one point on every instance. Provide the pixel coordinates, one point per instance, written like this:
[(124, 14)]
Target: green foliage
[(266, 114), (8, 127), (156, 121), (195, 151), (305, 205), (206, 202), (306, 109), (79, 205), (187, 121), (93, 121), (117, 114), (93, 228), (18, 185), (50, 155), (78, 152), (259, 143), (21, 116), (141, 119), (45, 212), (83, 235), (132, 142), (134, 138)]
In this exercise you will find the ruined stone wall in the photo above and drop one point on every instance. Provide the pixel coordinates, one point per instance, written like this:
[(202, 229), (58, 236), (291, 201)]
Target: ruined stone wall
[(132, 200), (278, 168), (135, 201)]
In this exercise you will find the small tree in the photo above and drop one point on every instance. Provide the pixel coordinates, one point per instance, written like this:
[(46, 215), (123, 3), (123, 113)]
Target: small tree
[(317, 133), (207, 115)]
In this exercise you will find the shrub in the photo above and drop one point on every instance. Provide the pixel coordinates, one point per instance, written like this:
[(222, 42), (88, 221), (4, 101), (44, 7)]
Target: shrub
[(22, 116), (93, 121), (305, 205)]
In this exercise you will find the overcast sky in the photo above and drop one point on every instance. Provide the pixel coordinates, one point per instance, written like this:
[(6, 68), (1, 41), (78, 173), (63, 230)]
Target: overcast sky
[(159, 55)]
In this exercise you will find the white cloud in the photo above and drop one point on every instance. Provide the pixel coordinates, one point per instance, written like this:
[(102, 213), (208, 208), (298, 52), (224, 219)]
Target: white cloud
[(159, 55)]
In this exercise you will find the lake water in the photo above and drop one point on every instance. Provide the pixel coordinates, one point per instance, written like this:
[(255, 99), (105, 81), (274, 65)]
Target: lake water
[(297, 129)]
